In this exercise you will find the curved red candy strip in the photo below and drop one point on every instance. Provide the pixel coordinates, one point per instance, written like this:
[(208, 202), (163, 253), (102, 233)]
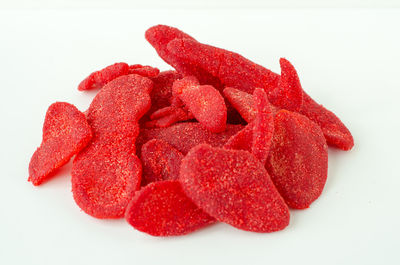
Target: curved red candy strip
[(242, 102), (289, 93), (146, 70), (65, 133), (298, 159), (233, 187), (335, 132), (162, 209), (160, 160), (106, 173), (167, 116), (263, 128), (159, 36), (184, 136), (99, 78)]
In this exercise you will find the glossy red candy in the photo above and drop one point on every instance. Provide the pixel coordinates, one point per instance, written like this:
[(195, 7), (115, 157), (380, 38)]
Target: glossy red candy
[(107, 172), (162, 209), (160, 161), (233, 187), (99, 78), (65, 133), (298, 159)]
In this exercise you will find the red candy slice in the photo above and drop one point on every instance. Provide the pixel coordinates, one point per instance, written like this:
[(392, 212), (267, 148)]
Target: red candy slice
[(335, 132), (162, 209), (161, 161), (243, 102), (289, 93), (298, 159), (99, 78), (106, 173), (243, 140), (65, 133), (233, 187), (184, 136), (263, 126), (204, 102)]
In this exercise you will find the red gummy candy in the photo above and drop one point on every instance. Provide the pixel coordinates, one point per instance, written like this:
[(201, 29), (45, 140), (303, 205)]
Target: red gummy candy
[(243, 140), (243, 102), (159, 36), (289, 93), (204, 102), (106, 173), (65, 133), (146, 70), (298, 159), (99, 78), (234, 70), (162, 209), (162, 91), (160, 161), (263, 128), (233, 187), (335, 132), (184, 136)]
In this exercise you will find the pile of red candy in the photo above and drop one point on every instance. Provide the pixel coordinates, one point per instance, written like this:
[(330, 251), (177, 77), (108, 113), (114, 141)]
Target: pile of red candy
[(219, 139)]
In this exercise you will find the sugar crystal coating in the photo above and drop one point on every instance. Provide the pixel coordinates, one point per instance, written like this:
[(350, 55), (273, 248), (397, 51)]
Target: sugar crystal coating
[(184, 136), (233, 187), (242, 102), (65, 133), (143, 70), (204, 102), (162, 209), (160, 161), (107, 172), (263, 127), (298, 159)]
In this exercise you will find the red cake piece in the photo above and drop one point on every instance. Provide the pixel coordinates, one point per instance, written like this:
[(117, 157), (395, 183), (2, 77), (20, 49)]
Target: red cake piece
[(184, 136), (204, 102), (106, 173), (298, 159), (65, 133), (162, 209), (99, 78), (160, 161), (233, 187), (263, 125)]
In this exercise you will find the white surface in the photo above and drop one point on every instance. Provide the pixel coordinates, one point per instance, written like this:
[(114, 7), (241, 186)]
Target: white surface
[(347, 59)]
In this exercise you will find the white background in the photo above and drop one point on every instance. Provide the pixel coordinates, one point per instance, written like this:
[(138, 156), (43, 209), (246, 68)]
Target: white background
[(347, 59)]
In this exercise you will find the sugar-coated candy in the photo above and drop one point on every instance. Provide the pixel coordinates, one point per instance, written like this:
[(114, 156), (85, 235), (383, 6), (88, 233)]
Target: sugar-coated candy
[(65, 133), (162, 209), (160, 161), (107, 172), (233, 187), (298, 159)]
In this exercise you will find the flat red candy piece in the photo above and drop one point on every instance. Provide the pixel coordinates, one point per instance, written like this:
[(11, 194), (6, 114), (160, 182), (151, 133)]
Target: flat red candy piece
[(106, 173), (243, 102), (162, 209), (242, 140), (160, 161), (184, 136), (233, 187), (143, 70), (99, 78), (298, 159), (65, 133)]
